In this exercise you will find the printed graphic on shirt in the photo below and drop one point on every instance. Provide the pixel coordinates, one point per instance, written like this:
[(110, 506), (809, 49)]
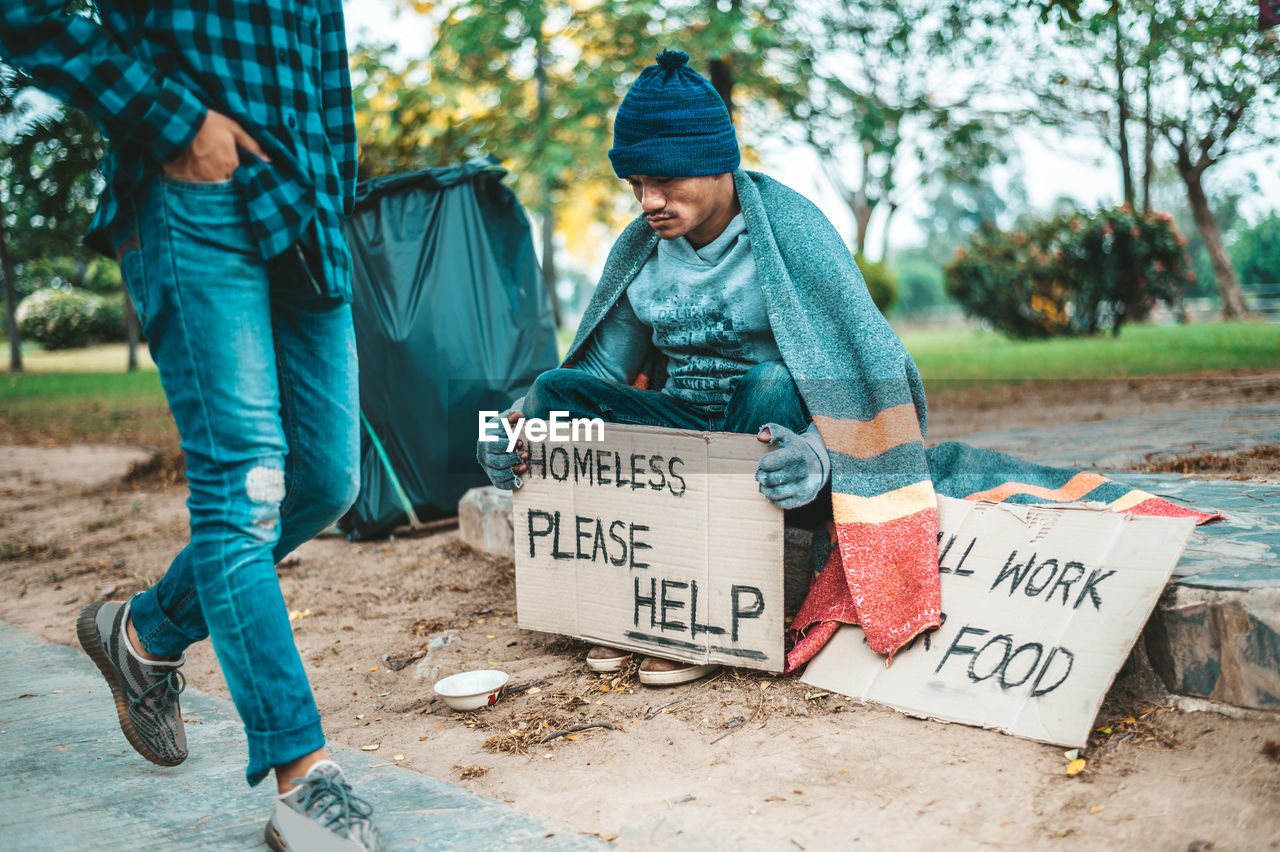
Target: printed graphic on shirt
[(708, 315)]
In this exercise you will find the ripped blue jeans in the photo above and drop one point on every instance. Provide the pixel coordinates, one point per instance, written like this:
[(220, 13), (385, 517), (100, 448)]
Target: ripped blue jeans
[(260, 374)]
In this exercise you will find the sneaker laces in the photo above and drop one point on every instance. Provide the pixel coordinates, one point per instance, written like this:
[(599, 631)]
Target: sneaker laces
[(337, 806), (166, 692)]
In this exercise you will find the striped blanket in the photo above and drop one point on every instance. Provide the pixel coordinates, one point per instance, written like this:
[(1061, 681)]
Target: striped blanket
[(967, 473)]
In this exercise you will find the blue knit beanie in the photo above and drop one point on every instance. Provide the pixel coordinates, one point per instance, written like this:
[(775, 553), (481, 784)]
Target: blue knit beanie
[(673, 124)]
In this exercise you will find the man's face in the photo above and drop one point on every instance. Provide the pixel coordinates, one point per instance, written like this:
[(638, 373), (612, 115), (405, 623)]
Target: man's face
[(695, 207)]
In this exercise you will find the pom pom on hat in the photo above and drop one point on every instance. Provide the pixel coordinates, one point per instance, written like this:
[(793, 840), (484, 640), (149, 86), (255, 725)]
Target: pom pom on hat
[(672, 123), (669, 59)]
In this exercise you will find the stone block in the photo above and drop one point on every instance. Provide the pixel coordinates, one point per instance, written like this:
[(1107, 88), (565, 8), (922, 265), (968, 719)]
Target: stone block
[(484, 521), (1219, 644)]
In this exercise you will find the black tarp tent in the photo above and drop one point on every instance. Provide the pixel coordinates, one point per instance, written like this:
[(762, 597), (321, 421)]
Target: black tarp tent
[(451, 317)]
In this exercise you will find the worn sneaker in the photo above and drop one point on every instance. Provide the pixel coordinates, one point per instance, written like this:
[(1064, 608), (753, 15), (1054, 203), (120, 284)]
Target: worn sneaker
[(655, 671), (146, 691), (602, 658), (321, 814)]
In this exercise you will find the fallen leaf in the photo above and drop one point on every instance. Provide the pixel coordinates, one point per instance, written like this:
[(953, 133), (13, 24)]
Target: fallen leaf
[(494, 662), (490, 636), (1129, 720), (604, 687), (373, 669), (814, 696), (296, 614), (1076, 766), (533, 690), (1096, 809), (370, 747), (1006, 823), (1105, 730), (422, 739)]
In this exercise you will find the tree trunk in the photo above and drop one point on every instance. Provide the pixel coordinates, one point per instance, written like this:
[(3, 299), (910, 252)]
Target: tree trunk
[(861, 205), (1148, 126), (546, 213), (10, 300), (1232, 302), (548, 217), (890, 209), (132, 331), (721, 69), (1122, 110)]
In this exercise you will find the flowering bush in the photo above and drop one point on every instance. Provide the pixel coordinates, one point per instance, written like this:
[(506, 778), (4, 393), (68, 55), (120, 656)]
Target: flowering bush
[(1073, 274), (62, 319)]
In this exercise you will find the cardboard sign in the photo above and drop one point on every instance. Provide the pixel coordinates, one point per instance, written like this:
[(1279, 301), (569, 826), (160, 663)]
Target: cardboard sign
[(1041, 606), (655, 540)]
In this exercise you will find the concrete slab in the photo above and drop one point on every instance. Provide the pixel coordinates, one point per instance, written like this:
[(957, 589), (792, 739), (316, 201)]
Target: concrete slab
[(1130, 442), (72, 782)]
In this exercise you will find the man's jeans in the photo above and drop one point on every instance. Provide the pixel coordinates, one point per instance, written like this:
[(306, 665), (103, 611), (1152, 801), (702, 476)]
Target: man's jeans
[(765, 394), (261, 377)]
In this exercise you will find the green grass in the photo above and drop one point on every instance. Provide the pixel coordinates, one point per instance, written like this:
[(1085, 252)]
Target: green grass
[(95, 401), (123, 407), (1142, 350)]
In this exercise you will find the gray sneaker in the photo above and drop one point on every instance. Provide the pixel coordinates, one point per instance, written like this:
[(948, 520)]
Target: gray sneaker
[(321, 814), (146, 691)]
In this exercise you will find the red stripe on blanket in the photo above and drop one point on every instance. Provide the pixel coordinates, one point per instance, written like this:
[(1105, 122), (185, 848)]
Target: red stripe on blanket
[(1161, 508), (883, 577)]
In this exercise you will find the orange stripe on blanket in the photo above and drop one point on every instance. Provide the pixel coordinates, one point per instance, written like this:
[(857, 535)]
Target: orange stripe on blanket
[(1078, 486), (864, 439), (850, 509)]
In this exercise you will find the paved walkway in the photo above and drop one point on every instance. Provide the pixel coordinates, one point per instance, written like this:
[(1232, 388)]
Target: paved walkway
[(72, 782), (1128, 443)]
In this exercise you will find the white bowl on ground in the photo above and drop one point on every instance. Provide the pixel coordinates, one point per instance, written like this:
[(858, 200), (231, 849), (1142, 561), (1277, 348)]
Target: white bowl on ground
[(471, 690)]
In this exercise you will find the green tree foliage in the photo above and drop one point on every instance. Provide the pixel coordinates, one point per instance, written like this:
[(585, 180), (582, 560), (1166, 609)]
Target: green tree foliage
[(891, 95), (1194, 75), (48, 188), (1256, 252), (920, 287), (882, 283), (537, 83), (1073, 274), (1231, 77)]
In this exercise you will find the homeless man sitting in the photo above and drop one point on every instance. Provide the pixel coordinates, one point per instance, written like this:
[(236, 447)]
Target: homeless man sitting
[(721, 308)]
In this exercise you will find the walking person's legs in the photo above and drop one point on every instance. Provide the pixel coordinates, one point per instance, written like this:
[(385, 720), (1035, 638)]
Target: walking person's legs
[(261, 381)]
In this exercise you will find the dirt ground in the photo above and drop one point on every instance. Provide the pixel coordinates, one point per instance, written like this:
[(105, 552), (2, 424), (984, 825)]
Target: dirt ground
[(739, 760)]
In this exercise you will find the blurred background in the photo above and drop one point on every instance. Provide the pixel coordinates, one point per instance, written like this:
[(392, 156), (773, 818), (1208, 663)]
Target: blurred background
[(1105, 174)]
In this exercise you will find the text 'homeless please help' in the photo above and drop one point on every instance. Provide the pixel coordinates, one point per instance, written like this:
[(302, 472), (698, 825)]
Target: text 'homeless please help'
[(654, 539)]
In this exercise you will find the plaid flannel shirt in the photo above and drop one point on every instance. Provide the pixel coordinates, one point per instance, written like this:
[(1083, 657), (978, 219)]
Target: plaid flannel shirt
[(148, 72)]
